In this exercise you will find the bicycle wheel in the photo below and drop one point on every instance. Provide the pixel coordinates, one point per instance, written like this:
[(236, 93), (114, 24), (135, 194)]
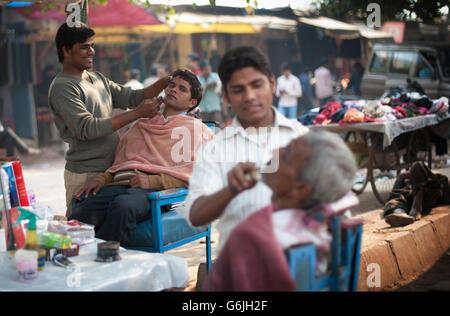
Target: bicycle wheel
[(384, 167), (382, 184), (362, 178)]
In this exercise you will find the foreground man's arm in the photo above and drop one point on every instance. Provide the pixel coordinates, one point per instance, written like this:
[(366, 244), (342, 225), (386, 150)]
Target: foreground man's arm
[(207, 208)]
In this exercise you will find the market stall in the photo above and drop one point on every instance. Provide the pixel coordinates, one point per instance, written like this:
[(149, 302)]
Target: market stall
[(383, 152), (385, 140), (39, 253), (136, 271)]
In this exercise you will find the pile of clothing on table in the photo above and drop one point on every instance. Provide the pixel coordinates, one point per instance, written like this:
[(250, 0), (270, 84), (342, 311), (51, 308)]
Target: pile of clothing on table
[(395, 104)]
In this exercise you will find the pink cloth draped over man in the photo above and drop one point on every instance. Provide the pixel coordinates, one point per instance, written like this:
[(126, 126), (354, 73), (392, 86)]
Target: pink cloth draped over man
[(155, 146)]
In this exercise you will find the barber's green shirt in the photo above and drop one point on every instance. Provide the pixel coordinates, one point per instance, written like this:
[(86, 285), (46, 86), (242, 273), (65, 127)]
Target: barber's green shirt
[(82, 112)]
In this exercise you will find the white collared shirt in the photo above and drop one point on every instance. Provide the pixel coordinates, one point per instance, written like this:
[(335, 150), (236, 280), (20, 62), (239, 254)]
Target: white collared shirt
[(290, 85), (230, 146), (324, 83)]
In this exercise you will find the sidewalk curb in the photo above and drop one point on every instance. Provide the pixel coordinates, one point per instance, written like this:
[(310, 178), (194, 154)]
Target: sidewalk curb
[(401, 253)]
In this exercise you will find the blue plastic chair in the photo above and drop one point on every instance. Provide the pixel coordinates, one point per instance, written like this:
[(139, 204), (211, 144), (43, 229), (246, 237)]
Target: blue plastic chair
[(167, 230), (345, 253)]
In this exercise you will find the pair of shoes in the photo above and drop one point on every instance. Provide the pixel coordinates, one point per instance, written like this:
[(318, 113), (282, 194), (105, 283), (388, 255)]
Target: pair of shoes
[(399, 218)]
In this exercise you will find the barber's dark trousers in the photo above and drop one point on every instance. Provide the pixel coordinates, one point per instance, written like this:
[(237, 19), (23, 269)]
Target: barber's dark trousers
[(114, 211), (9, 139)]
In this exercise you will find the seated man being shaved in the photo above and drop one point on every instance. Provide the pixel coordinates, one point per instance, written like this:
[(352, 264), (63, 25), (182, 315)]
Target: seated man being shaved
[(155, 154)]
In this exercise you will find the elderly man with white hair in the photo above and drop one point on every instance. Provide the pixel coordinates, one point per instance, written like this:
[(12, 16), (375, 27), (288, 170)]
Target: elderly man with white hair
[(315, 170)]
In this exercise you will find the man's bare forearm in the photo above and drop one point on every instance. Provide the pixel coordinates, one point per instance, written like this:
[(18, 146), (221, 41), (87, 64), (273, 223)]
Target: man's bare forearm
[(155, 89), (120, 120), (207, 208)]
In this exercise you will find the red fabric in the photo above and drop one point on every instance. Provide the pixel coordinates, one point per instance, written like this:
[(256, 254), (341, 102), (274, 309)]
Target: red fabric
[(401, 110), (114, 13), (252, 259), (325, 115), (333, 106), (320, 118)]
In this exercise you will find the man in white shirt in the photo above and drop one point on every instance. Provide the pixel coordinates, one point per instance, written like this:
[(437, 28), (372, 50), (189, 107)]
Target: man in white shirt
[(134, 83), (157, 72), (324, 83), (288, 90), (219, 187)]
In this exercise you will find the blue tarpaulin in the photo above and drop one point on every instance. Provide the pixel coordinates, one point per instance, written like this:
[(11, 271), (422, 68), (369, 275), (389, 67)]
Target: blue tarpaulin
[(16, 4)]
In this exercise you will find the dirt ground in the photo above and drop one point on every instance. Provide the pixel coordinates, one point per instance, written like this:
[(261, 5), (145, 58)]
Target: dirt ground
[(437, 278), (43, 175)]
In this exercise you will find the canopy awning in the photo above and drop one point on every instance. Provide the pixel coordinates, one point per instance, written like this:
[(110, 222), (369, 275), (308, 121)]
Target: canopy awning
[(188, 22), (333, 28), (369, 33), (342, 30), (114, 13)]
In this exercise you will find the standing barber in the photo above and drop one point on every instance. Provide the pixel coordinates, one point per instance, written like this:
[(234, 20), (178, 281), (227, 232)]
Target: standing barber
[(82, 102)]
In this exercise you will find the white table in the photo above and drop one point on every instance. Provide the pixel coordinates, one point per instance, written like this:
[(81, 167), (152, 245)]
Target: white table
[(137, 271)]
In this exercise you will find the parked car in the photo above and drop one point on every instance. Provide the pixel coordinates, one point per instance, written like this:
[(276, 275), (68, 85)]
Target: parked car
[(391, 64)]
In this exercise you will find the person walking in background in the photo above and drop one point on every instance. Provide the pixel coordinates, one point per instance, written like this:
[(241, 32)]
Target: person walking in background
[(355, 79), (306, 98), (324, 83), (211, 105), (10, 140), (134, 82), (288, 90), (158, 71), (153, 76), (43, 115), (192, 64)]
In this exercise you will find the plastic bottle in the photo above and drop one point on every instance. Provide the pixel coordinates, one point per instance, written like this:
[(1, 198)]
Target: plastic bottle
[(32, 243), (55, 240), (32, 238)]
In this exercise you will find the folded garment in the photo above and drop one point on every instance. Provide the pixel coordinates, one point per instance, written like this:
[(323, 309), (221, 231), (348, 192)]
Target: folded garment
[(353, 116), (440, 106)]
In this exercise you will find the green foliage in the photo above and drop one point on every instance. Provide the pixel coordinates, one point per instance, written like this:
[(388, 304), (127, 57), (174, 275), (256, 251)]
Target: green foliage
[(168, 10), (426, 11)]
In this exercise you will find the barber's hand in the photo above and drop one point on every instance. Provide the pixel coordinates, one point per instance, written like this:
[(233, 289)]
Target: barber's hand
[(167, 79), (237, 180), (92, 187), (149, 107), (140, 180)]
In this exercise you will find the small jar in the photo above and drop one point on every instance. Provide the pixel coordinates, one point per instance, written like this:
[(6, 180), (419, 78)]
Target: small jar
[(27, 265)]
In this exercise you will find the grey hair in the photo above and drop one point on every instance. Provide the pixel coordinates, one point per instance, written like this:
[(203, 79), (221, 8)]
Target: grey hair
[(331, 169)]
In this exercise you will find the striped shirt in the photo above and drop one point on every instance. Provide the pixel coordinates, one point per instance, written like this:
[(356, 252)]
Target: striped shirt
[(232, 145)]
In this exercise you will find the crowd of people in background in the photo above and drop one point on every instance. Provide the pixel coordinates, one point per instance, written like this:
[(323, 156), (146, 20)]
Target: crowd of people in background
[(296, 93)]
